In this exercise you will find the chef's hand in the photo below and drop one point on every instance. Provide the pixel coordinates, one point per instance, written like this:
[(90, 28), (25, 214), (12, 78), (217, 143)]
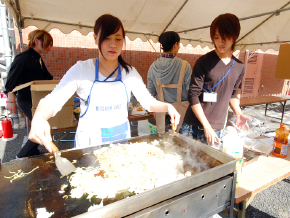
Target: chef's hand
[(40, 132), (211, 136), (241, 122), (175, 116)]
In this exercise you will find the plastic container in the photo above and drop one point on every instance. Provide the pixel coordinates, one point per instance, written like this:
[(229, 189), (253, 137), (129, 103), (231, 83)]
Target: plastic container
[(281, 142), (233, 145), (146, 128)]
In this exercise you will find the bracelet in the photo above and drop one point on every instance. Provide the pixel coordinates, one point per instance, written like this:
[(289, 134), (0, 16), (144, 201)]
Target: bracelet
[(10, 101)]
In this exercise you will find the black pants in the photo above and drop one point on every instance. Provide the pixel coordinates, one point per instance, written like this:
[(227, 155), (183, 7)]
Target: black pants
[(30, 148)]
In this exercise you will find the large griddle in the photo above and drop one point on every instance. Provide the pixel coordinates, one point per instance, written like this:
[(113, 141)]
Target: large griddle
[(41, 188)]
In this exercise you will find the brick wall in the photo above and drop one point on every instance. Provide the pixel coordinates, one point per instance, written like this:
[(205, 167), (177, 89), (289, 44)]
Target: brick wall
[(69, 48)]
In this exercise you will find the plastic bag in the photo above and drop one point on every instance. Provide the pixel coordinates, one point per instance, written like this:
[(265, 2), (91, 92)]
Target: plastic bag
[(146, 128), (264, 146), (254, 125)]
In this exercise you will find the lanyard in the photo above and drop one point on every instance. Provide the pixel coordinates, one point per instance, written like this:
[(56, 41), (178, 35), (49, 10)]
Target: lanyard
[(221, 79), (97, 72), (97, 79), (111, 74)]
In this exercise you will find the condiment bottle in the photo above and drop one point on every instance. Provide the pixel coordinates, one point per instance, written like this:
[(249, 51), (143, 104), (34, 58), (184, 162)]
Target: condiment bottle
[(281, 142)]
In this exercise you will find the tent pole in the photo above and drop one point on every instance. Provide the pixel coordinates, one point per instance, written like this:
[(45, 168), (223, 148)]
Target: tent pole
[(20, 36), (276, 12), (175, 16), (21, 49), (5, 35)]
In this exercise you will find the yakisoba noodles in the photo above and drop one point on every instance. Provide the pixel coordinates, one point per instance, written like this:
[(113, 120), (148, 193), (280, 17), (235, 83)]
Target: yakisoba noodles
[(135, 167)]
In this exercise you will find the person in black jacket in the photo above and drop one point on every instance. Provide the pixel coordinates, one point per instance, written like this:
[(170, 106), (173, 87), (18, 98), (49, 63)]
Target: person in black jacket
[(26, 67)]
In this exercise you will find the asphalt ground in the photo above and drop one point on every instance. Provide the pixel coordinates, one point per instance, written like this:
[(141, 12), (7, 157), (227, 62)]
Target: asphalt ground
[(271, 202)]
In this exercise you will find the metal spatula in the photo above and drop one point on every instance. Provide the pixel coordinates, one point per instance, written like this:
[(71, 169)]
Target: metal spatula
[(171, 135), (64, 166), (173, 128)]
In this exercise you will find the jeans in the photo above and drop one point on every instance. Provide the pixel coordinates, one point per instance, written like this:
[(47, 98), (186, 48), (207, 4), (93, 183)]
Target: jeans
[(30, 148), (196, 133)]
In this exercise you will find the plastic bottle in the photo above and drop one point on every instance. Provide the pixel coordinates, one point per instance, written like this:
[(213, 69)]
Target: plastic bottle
[(233, 145), (281, 142)]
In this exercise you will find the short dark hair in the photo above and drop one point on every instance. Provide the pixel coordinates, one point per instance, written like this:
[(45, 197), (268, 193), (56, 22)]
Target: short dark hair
[(105, 26), (168, 39), (228, 25)]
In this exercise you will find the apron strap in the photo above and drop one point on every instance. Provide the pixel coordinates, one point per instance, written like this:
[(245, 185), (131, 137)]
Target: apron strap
[(178, 86), (118, 79), (179, 105)]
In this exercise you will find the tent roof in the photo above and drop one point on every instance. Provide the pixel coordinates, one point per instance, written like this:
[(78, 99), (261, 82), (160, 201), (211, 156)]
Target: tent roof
[(264, 23)]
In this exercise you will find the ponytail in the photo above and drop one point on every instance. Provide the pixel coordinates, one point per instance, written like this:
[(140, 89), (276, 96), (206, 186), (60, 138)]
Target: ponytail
[(124, 64)]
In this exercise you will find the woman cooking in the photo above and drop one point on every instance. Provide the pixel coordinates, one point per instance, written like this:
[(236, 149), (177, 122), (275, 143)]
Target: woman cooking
[(104, 85)]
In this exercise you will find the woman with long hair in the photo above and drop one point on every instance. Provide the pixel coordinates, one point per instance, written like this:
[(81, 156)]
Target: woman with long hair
[(104, 85)]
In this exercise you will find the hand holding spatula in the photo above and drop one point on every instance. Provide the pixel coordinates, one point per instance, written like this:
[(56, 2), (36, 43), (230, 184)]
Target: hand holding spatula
[(173, 127), (64, 166)]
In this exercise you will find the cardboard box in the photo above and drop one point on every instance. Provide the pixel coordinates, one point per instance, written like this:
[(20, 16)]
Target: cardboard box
[(39, 89), (283, 63), (63, 119)]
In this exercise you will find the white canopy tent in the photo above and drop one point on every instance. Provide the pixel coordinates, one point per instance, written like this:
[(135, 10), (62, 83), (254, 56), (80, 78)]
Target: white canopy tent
[(264, 23)]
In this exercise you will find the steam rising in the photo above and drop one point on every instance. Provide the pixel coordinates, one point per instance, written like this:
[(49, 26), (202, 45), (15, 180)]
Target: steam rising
[(192, 161)]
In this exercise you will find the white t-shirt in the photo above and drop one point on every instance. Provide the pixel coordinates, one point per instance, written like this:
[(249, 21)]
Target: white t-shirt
[(80, 77)]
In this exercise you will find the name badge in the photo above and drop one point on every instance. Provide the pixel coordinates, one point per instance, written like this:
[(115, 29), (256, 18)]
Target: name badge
[(209, 96)]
